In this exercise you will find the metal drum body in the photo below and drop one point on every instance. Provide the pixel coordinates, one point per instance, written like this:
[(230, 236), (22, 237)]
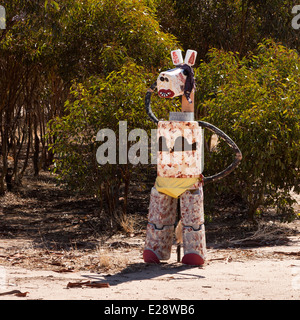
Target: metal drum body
[(180, 149), (180, 155)]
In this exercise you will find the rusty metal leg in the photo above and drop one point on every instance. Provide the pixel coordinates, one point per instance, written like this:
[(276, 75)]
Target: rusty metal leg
[(160, 228), (192, 213), (178, 242)]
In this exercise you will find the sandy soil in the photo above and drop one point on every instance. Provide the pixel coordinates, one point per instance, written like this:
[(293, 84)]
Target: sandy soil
[(261, 273)]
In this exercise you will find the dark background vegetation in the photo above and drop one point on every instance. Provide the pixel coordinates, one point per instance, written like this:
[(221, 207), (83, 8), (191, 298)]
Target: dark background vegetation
[(70, 68)]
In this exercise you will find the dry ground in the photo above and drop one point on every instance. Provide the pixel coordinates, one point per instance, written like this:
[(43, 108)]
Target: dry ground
[(55, 245)]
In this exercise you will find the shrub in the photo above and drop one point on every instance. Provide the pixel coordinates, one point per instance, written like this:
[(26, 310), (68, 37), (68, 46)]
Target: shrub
[(255, 100), (101, 104)]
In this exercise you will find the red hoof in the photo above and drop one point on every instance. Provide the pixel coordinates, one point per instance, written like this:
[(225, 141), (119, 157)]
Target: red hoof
[(192, 259), (150, 257)]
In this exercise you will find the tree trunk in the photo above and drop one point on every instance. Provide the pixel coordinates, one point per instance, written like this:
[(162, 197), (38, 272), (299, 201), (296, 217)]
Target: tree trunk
[(36, 148)]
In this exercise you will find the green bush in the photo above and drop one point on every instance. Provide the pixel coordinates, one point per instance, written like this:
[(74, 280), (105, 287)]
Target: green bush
[(111, 51), (101, 104), (98, 37), (255, 100)]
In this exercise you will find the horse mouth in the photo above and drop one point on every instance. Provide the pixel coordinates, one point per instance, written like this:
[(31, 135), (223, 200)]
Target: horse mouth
[(166, 93)]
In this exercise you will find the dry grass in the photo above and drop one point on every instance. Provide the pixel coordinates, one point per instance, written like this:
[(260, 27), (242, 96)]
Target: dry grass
[(267, 233), (101, 259), (127, 224)]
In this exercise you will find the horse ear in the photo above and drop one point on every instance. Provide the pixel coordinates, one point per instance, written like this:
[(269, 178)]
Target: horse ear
[(190, 57), (176, 57)]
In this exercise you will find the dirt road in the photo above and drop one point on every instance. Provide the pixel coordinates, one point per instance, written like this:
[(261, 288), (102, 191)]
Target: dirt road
[(261, 273)]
